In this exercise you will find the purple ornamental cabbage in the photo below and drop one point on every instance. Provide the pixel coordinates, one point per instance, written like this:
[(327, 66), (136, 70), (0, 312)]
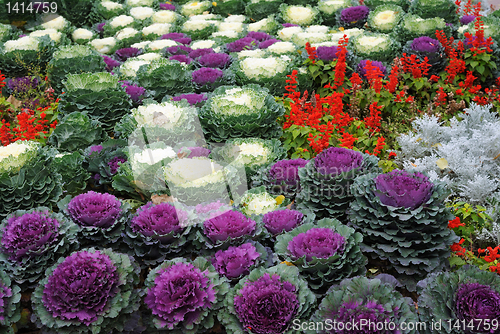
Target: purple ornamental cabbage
[(200, 52), (180, 293), (100, 26), (181, 59), (29, 235), (183, 40), (267, 43), (351, 15), (80, 287), (477, 304), (267, 305), (114, 164), (230, 224), (280, 221), (192, 98), (167, 6), (206, 208), (94, 209), (245, 43), (327, 53), (316, 242), (357, 313), (400, 188), (259, 36), (126, 53), (336, 160), (362, 67), (110, 63), (425, 44), (288, 25), (173, 35), (235, 261), (161, 219), (136, 93), (286, 171), (466, 19), (178, 50), (196, 152), (215, 60), (207, 75), (95, 148)]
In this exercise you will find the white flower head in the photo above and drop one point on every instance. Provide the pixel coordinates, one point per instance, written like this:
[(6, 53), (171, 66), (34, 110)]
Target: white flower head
[(161, 44), (331, 6), (235, 18), (110, 5), (300, 15), (141, 13), (205, 44), (157, 29), (225, 33), (121, 21), (190, 25), (318, 29), (195, 7), (282, 47), (140, 45), (57, 23), (152, 156), (257, 204), (231, 26), (254, 153), (165, 16), (312, 37), (15, 155), (150, 56), (23, 43), (194, 172), (81, 33), (257, 53), (367, 43), (262, 67), (52, 33), (259, 25), (104, 45), (286, 34), (130, 67), (126, 33), (135, 3), (385, 17), (166, 115), (203, 17)]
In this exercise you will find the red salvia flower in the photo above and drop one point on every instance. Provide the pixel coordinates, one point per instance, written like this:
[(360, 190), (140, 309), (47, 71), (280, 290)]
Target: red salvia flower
[(374, 76), (347, 140), (393, 79), (373, 121), (311, 52)]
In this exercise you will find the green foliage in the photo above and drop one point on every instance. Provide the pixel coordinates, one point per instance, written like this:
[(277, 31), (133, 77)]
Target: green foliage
[(74, 176), (11, 305), (261, 9), (426, 9), (76, 132)]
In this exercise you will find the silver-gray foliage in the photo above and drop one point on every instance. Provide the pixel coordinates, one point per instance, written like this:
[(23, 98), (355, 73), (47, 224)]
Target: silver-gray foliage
[(468, 146)]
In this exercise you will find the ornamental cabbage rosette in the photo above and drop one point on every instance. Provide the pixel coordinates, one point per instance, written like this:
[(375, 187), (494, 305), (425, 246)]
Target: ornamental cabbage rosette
[(102, 161), (280, 178), (164, 77), (353, 17), (326, 179), (207, 79), (106, 10), (251, 153), (72, 59), (375, 3), (18, 56), (413, 26), (98, 95), (426, 9), (184, 296), (70, 166), (385, 18), (284, 220), (267, 301), (199, 29), (427, 47), (464, 301), (257, 201), (100, 216), (231, 7), (240, 112), (261, 9), (325, 252), (6, 32), (196, 180), (301, 15), (237, 261), (231, 228), (269, 72), (29, 181), (329, 8), (31, 241), (403, 220), (10, 297), (76, 131), (90, 291), (268, 24), (364, 302), (157, 231), (375, 46), (195, 8)]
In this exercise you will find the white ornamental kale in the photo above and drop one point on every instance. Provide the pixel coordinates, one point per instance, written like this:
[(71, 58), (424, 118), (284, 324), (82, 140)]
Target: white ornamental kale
[(462, 154)]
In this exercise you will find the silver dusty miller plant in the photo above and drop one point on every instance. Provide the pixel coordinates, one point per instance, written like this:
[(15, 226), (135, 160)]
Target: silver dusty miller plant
[(464, 155), (492, 234)]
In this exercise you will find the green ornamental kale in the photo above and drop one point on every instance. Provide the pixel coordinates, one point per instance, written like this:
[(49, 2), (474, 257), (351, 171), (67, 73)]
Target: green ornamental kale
[(10, 297)]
